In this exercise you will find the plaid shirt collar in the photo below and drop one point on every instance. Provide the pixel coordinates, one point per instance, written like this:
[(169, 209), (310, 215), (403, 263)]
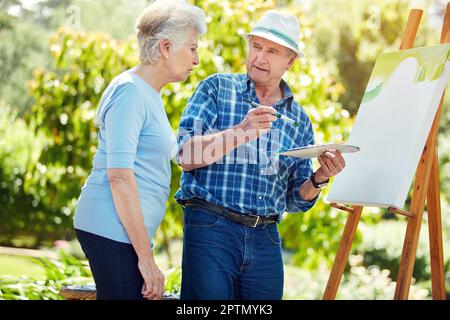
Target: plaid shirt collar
[(247, 84)]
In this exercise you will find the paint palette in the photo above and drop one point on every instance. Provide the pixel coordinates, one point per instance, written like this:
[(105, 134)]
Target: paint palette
[(313, 151)]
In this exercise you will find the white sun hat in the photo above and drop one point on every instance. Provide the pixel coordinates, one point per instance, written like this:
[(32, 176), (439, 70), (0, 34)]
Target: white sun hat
[(281, 28)]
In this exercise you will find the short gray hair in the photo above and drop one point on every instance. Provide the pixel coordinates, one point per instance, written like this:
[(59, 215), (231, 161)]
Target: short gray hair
[(166, 19)]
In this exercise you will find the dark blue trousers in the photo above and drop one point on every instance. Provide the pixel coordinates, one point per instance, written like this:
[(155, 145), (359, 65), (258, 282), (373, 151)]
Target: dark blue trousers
[(114, 266), (224, 260)]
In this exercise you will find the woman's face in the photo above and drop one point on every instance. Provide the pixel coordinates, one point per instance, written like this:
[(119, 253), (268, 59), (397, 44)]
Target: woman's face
[(181, 62)]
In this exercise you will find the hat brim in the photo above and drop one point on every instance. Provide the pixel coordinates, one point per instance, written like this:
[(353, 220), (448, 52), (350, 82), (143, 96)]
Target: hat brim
[(272, 38)]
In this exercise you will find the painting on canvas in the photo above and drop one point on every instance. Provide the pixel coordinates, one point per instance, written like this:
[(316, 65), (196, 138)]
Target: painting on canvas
[(391, 127)]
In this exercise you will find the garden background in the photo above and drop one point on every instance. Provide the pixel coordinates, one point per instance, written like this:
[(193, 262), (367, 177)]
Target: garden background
[(57, 57)]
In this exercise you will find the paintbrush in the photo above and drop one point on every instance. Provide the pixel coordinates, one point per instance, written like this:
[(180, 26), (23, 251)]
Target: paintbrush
[(277, 114)]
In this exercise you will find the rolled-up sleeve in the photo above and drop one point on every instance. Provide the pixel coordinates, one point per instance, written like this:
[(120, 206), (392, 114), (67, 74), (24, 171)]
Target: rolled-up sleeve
[(302, 170), (123, 121), (200, 115)]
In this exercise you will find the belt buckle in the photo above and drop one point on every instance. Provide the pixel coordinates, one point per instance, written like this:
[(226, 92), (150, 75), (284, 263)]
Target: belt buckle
[(257, 219)]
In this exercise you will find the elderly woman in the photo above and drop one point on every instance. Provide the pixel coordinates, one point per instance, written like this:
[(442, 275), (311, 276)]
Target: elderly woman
[(124, 198)]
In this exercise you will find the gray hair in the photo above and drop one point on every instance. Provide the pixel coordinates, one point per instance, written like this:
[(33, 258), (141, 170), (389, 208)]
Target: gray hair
[(170, 20)]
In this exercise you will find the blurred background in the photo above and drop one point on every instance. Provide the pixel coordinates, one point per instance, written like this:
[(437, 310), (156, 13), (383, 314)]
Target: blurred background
[(57, 57)]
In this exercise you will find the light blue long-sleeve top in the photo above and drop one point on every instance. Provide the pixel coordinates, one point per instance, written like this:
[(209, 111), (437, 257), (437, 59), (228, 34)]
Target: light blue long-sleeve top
[(134, 133)]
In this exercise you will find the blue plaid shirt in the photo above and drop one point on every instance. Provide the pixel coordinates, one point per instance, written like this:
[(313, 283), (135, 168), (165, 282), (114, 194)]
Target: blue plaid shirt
[(253, 178)]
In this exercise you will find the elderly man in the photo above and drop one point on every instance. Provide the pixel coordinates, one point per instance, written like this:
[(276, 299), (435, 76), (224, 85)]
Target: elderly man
[(234, 186)]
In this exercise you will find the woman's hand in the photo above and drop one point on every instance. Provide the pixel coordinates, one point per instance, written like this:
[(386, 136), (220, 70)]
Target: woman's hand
[(153, 287)]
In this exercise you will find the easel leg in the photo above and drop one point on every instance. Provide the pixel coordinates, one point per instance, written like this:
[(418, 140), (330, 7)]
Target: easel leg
[(408, 257), (342, 255), (435, 233), (420, 189), (433, 198)]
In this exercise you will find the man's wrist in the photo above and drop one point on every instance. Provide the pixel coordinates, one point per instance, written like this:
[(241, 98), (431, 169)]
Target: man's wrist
[(317, 181), (320, 178)]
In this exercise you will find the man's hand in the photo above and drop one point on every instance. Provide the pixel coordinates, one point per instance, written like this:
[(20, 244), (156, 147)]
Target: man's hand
[(153, 287), (256, 123), (331, 163)]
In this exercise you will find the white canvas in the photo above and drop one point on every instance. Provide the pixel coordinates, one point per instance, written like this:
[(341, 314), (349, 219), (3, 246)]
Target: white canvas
[(391, 127)]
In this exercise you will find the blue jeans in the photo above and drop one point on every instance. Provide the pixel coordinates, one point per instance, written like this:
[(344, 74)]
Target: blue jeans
[(114, 266), (224, 260)]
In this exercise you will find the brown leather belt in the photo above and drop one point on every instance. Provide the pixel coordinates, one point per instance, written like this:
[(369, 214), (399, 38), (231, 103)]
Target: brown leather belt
[(250, 220)]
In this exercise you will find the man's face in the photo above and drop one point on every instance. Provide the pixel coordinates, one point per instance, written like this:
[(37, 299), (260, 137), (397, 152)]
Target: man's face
[(267, 61)]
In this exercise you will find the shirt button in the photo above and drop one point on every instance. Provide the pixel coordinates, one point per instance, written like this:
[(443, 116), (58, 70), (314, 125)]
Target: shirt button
[(262, 171), (260, 197)]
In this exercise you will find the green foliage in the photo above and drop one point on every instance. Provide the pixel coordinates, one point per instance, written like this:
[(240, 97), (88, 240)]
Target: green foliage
[(172, 281), (312, 236), (22, 48), (6, 20), (118, 23), (444, 163), (359, 283), (58, 272), (373, 283), (14, 265), (21, 213), (383, 243)]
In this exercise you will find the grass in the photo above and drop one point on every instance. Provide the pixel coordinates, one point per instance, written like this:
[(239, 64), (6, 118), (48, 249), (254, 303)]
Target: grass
[(20, 265)]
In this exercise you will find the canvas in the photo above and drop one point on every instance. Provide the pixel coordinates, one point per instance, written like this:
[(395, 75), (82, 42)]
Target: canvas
[(391, 127)]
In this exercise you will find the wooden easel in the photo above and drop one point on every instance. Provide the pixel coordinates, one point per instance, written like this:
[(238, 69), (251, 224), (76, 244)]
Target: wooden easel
[(426, 185)]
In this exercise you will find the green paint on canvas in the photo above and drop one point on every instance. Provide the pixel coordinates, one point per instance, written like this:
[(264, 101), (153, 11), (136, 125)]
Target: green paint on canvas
[(430, 60), (430, 65), (370, 95)]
